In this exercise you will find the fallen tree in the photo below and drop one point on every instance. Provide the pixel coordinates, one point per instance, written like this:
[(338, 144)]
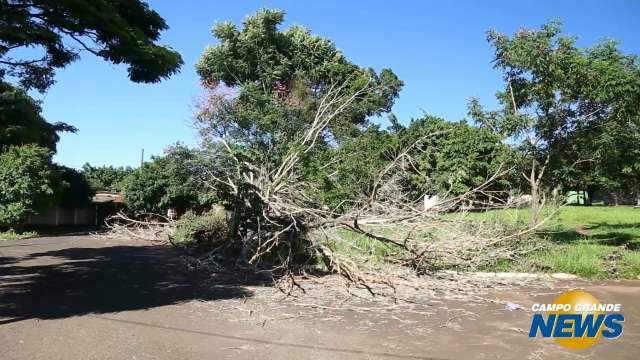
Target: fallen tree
[(271, 129), (276, 225)]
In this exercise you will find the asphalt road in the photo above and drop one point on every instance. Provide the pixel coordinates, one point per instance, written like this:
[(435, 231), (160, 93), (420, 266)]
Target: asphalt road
[(78, 297)]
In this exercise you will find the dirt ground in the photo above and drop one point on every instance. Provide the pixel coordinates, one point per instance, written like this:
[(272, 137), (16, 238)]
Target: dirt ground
[(81, 297)]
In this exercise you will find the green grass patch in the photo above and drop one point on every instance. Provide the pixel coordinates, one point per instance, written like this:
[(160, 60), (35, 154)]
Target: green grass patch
[(13, 235), (581, 240), (585, 260), (354, 245), (593, 242), (630, 265)]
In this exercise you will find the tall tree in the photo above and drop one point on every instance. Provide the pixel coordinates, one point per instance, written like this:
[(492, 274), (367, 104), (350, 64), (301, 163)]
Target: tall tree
[(455, 157), (556, 92), (169, 181), (119, 31), (29, 181), (21, 121), (350, 171), (278, 99), (73, 188), (26, 182), (618, 145), (276, 79), (105, 178)]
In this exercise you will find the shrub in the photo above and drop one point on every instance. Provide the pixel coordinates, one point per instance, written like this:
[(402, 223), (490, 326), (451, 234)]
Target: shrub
[(165, 182), (26, 182), (73, 188), (204, 231), (13, 235)]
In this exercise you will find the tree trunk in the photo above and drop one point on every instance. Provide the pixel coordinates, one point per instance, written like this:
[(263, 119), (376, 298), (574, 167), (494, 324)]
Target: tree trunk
[(535, 195), (535, 203), (537, 172), (590, 196), (233, 235)]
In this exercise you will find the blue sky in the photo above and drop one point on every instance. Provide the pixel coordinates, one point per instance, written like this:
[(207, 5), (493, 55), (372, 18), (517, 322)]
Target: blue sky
[(437, 48)]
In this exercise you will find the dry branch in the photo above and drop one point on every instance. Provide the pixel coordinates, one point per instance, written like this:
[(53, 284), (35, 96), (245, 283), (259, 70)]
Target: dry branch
[(148, 227), (425, 240)]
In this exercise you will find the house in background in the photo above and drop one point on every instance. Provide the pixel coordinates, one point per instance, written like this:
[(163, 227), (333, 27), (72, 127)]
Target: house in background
[(102, 205)]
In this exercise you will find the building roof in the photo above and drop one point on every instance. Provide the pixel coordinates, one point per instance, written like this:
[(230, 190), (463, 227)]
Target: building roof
[(107, 197)]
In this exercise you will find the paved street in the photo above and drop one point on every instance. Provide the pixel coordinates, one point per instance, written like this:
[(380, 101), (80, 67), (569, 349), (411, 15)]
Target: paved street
[(79, 297)]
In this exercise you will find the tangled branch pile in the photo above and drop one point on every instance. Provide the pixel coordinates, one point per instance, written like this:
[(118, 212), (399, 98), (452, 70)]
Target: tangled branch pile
[(273, 222), (306, 181), (147, 227), (276, 225)]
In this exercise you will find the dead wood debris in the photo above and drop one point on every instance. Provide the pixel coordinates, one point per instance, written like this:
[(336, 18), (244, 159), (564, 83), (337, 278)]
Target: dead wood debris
[(147, 227), (419, 241)]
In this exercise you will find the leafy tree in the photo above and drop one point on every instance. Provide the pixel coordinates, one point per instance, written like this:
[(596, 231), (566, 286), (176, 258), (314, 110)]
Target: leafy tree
[(105, 178), (616, 150), (169, 181), (26, 182), (118, 31), (349, 172), (265, 86), (73, 189), (556, 94), (29, 183), (275, 80), (121, 32), (21, 122), (454, 157), (29, 180), (445, 158)]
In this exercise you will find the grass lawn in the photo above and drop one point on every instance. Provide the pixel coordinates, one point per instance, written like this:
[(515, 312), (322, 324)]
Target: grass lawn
[(590, 241), (12, 235)]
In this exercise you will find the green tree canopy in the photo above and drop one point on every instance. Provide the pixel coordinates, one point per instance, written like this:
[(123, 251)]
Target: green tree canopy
[(445, 158), (121, 32), (21, 122), (555, 90), (26, 182), (455, 157), (169, 181), (341, 175), (277, 78), (73, 189), (558, 96), (106, 178)]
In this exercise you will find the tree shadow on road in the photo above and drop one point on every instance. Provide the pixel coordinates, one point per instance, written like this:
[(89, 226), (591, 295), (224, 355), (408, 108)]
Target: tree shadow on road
[(76, 281)]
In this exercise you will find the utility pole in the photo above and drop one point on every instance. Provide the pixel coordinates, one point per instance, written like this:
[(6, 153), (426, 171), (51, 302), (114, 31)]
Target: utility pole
[(141, 159)]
